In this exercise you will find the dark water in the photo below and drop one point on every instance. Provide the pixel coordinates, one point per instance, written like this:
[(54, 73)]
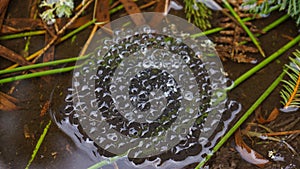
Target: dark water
[(62, 151)]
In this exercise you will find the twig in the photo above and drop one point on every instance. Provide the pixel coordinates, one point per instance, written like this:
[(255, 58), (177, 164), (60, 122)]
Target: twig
[(87, 43), (266, 136), (280, 133)]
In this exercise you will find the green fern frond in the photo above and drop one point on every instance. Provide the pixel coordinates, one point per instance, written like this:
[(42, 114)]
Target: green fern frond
[(198, 14), (292, 7), (290, 92)]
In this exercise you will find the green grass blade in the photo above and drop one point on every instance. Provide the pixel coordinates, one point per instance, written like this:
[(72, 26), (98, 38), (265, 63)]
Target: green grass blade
[(39, 65), (215, 30), (38, 144), (275, 23), (38, 74), (21, 35), (77, 30)]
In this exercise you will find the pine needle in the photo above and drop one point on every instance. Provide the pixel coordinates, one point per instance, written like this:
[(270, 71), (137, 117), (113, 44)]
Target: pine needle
[(291, 92)]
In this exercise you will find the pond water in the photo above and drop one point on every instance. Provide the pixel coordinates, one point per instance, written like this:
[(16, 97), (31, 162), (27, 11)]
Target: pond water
[(76, 148), (148, 97)]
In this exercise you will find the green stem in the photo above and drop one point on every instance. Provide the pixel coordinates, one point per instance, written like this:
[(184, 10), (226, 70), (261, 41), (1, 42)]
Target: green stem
[(264, 62), (215, 30), (116, 9), (77, 30), (228, 6), (242, 119), (270, 26), (275, 23), (38, 74), (38, 144), (21, 35), (38, 65)]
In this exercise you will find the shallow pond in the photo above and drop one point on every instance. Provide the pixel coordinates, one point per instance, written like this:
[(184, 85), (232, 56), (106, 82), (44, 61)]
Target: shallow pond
[(20, 130)]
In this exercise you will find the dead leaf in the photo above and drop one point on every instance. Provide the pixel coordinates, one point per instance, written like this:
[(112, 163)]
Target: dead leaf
[(27, 134), (247, 153), (7, 103), (260, 119), (54, 154), (132, 8), (45, 108), (13, 56)]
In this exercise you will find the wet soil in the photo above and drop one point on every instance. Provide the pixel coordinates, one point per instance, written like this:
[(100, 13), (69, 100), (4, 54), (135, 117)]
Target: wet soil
[(59, 151)]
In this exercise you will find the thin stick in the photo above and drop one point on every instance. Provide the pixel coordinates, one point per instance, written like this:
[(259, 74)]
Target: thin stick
[(281, 133), (87, 43)]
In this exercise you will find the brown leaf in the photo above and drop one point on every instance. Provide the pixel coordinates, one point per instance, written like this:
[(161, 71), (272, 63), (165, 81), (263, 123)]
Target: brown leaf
[(132, 8), (45, 108), (260, 119), (102, 11), (13, 56), (3, 8), (247, 153), (27, 134), (7, 103)]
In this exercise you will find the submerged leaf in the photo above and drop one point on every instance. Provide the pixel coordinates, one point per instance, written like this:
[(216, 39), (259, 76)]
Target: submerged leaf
[(273, 115), (247, 153), (290, 92)]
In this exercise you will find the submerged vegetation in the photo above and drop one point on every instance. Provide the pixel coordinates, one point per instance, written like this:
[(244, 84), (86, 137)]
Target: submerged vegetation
[(236, 29)]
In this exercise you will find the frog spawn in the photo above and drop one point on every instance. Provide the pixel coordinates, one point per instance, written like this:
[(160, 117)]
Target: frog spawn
[(121, 99)]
